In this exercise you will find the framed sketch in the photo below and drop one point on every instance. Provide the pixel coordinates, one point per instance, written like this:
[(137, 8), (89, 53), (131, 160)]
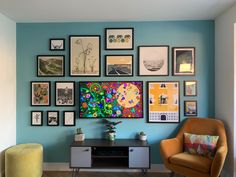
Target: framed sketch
[(57, 44), (69, 118), (119, 65), (85, 55), (190, 88), (183, 61), (36, 118), (163, 101), (40, 93), (153, 60), (65, 93), (52, 118), (190, 108), (50, 65), (119, 38)]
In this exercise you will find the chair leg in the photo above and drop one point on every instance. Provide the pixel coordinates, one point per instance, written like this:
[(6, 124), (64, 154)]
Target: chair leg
[(172, 174)]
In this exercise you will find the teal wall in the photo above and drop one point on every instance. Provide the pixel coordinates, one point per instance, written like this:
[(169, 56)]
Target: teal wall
[(33, 40)]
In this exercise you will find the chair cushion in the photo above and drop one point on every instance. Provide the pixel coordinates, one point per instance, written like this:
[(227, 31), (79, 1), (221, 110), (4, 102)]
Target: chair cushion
[(204, 145), (195, 162)]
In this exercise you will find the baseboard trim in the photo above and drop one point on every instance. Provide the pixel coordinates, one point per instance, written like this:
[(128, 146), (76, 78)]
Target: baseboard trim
[(65, 167)]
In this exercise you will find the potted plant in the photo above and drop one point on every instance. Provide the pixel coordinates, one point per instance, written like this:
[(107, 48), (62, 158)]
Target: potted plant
[(79, 136), (142, 136), (111, 129)]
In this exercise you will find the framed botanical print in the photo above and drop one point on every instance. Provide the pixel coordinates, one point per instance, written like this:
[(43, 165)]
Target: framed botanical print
[(119, 65), (85, 55), (69, 118), (190, 108), (36, 118), (153, 60), (40, 93), (163, 101), (183, 61), (50, 65), (119, 38), (57, 44), (190, 88), (65, 93), (52, 118)]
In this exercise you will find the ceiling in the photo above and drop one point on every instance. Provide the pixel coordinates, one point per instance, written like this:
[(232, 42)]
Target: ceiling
[(112, 10)]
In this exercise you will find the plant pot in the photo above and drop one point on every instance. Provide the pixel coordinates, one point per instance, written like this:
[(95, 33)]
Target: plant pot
[(79, 137), (111, 136), (143, 137)]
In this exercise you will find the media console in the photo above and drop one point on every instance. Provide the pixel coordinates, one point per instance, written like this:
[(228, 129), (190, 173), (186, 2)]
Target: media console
[(98, 153)]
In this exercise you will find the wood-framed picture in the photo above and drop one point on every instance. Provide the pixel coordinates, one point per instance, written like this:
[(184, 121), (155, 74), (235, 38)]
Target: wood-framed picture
[(119, 38), (65, 93), (183, 61), (190, 88), (69, 118), (190, 108), (40, 93), (36, 118), (163, 101), (52, 118), (85, 59), (57, 44), (119, 65), (153, 60), (50, 65)]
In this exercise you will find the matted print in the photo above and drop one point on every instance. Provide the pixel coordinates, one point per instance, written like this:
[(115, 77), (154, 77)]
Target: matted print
[(52, 118), (69, 118), (190, 88), (36, 118), (65, 93), (190, 108), (40, 93)]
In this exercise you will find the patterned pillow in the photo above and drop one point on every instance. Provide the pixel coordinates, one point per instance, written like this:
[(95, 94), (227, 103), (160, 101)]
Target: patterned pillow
[(204, 145)]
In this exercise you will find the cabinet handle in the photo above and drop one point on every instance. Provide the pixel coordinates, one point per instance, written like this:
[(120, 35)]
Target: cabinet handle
[(131, 150), (86, 150)]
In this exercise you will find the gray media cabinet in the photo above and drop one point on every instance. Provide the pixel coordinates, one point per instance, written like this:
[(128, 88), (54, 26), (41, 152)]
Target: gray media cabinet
[(118, 154)]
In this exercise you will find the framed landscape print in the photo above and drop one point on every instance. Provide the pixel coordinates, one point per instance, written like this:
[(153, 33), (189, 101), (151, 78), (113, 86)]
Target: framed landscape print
[(119, 38), (190, 108), (163, 101), (40, 93), (69, 118), (57, 44), (65, 93), (153, 60), (119, 65), (85, 55), (183, 61), (36, 118), (190, 88), (52, 118), (50, 65)]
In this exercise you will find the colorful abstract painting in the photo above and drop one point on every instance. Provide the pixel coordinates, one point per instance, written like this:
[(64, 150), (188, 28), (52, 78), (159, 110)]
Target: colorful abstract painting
[(111, 99)]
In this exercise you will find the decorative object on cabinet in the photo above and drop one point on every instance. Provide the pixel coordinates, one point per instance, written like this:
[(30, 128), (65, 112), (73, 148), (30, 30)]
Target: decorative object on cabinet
[(57, 44), (79, 136), (69, 118), (163, 101), (50, 65), (40, 93), (119, 38), (190, 88), (111, 129), (183, 61), (65, 93), (142, 136), (119, 65), (52, 118), (85, 55), (190, 108), (153, 60), (36, 118)]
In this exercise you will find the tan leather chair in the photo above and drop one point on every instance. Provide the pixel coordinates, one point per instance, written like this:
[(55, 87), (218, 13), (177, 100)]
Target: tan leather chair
[(194, 165)]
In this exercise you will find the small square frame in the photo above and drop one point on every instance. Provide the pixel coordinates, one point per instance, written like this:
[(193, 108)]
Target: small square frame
[(69, 118), (190, 88), (36, 118), (40, 93), (190, 108), (53, 118), (57, 44)]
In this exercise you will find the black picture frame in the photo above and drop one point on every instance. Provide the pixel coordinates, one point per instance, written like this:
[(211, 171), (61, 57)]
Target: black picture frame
[(53, 118), (57, 44), (190, 108), (67, 119), (121, 36), (118, 69), (40, 93), (190, 88), (36, 118), (66, 95)]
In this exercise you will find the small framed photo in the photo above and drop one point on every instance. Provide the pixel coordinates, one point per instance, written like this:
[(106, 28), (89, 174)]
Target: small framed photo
[(153, 60), (183, 61), (190, 108), (50, 65), (85, 55), (65, 93), (57, 44), (52, 118), (40, 93), (119, 65), (119, 38), (36, 118), (69, 118), (190, 88)]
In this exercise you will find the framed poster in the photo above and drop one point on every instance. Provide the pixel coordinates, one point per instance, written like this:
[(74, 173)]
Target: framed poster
[(36, 118), (50, 65), (153, 60), (65, 93), (57, 44), (40, 93), (163, 101), (183, 61), (190, 88), (190, 108), (52, 118), (119, 38), (119, 65), (69, 118), (85, 55)]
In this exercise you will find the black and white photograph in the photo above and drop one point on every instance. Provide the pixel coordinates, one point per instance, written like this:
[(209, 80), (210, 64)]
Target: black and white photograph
[(69, 118), (52, 118), (65, 93), (36, 118), (57, 44)]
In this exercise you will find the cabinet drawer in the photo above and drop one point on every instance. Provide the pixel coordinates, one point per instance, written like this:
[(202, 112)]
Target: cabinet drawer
[(80, 157), (139, 157)]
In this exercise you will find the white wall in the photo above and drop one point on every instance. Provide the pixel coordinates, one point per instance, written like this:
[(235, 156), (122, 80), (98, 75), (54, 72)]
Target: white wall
[(225, 81), (7, 86)]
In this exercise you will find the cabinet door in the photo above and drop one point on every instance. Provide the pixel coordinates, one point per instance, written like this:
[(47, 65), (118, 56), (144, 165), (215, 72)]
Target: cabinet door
[(80, 157), (139, 157)]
